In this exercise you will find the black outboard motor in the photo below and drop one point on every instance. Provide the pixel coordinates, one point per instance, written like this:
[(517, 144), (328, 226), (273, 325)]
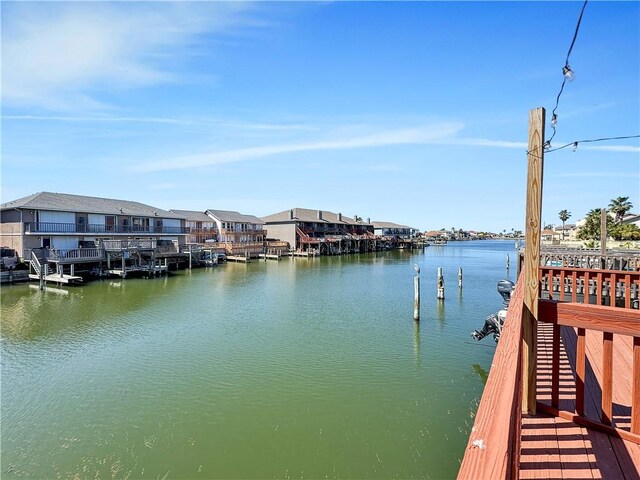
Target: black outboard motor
[(493, 323)]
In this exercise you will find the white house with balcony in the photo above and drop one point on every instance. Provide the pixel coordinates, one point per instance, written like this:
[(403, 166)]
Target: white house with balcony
[(239, 233), (74, 229)]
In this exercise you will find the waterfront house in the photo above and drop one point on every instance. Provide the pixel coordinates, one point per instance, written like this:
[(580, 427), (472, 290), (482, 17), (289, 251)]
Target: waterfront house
[(320, 231), (549, 235), (569, 233), (239, 233), (200, 227), (396, 236), (76, 231), (632, 219), (390, 229)]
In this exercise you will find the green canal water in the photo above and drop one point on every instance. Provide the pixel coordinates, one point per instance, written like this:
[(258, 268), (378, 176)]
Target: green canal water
[(302, 368)]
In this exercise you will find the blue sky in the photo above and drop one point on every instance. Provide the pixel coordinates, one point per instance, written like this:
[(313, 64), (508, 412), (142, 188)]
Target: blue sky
[(411, 112)]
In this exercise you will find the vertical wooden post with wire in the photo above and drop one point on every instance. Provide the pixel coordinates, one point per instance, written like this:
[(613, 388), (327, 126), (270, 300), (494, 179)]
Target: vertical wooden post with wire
[(535, 163), (603, 238)]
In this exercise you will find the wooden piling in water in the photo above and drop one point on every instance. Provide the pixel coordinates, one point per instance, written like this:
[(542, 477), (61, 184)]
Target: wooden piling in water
[(440, 284), (416, 297), (507, 261), (459, 277)]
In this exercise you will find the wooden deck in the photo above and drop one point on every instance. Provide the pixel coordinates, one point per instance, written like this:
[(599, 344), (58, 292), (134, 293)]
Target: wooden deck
[(555, 447), (587, 384)]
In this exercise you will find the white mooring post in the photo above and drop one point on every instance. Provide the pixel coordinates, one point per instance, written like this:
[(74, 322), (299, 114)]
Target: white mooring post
[(507, 261), (440, 284), (459, 277), (416, 294)]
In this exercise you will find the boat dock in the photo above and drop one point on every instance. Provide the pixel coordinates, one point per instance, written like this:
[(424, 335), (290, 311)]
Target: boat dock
[(57, 278), (238, 258), (269, 256)]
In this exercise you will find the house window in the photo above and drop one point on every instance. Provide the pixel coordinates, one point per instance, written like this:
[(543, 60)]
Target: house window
[(109, 223), (140, 224)]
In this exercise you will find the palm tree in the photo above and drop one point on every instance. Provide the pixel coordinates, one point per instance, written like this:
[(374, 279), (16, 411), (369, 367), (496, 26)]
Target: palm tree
[(591, 228), (619, 206), (564, 216)]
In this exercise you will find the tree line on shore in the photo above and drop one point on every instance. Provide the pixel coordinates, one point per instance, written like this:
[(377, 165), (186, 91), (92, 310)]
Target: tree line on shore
[(615, 228)]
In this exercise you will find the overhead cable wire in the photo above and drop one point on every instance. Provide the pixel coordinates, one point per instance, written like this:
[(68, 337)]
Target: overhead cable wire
[(567, 73), (577, 142), (593, 140)]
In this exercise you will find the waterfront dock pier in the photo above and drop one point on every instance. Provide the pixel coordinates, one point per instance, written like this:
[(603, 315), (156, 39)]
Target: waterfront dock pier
[(563, 394)]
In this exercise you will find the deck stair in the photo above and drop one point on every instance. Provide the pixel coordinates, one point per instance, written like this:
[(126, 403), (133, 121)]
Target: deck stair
[(301, 233), (40, 264)]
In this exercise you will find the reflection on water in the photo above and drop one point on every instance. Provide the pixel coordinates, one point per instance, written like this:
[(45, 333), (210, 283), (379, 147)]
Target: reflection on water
[(440, 312), (481, 372), (416, 343), (302, 367)]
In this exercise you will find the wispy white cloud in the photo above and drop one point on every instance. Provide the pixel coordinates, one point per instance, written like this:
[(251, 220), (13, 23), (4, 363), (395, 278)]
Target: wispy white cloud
[(348, 137), (237, 125), (429, 134), (97, 119), (597, 175), (485, 142), (611, 148), (56, 55)]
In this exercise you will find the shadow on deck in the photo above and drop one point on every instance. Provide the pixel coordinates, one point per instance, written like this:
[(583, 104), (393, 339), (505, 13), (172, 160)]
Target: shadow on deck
[(555, 447)]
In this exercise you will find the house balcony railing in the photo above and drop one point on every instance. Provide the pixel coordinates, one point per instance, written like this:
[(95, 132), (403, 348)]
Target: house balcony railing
[(82, 228), (75, 255), (202, 231), (231, 231), (121, 245), (244, 248)]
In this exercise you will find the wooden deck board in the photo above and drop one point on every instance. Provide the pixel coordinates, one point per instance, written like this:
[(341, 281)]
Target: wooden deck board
[(540, 458), (557, 448)]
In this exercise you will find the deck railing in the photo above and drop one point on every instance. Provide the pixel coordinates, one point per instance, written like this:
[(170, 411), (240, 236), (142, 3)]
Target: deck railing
[(75, 254), (590, 258), (56, 227), (615, 288), (167, 249), (493, 450), (609, 304), (244, 249), (119, 245)]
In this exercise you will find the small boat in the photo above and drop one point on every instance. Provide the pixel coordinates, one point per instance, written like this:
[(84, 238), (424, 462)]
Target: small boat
[(493, 323)]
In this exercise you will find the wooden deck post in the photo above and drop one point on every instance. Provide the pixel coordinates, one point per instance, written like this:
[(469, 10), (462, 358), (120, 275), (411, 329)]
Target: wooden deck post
[(535, 163), (603, 238)]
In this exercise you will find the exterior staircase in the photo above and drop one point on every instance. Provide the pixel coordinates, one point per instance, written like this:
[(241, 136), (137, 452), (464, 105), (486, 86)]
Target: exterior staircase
[(40, 265)]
